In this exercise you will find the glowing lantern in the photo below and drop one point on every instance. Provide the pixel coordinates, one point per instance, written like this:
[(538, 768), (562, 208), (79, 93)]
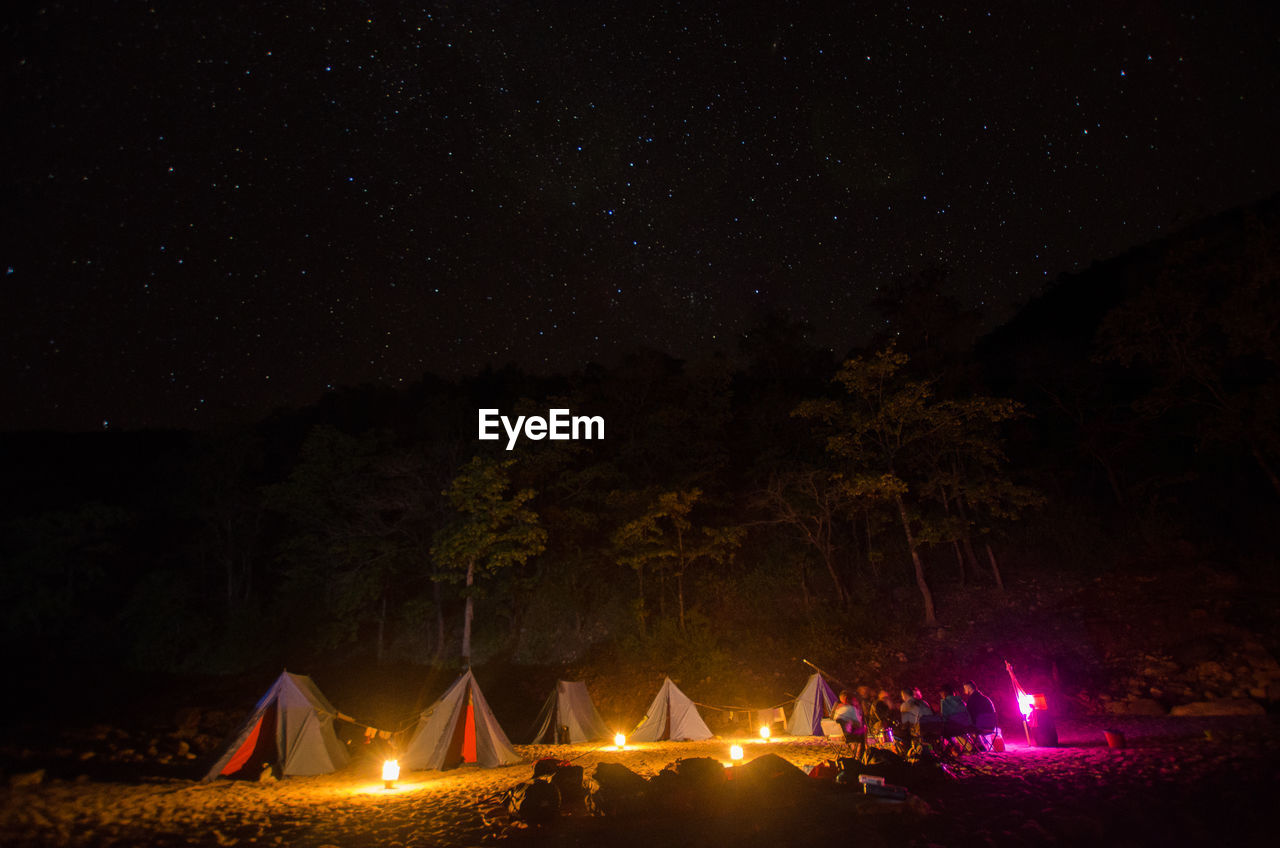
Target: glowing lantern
[(735, 752), (390, 773), (764, 732), (619, 740)]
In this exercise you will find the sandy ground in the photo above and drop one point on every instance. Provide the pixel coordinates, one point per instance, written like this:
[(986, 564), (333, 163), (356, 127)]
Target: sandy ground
[(1179, 781)]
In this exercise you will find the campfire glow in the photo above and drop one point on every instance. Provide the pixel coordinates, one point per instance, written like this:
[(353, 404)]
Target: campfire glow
[(390, 773), (735, 752), (619, 741), (764, 732)]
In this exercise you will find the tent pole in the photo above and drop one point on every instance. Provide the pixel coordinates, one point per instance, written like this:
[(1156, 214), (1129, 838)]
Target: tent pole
[(1017, 692), (825, 674)]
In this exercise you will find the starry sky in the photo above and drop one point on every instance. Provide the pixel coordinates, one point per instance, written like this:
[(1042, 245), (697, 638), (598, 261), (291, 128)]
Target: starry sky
[(215, 208)]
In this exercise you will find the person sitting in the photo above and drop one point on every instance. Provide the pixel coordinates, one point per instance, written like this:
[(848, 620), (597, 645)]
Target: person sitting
[(848, 714), (981, 710), (866, 700), (913, 709), (955, 714), (884, 715)]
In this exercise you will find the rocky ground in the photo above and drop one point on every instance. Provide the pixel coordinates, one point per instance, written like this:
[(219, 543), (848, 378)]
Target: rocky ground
[(1178, 780)]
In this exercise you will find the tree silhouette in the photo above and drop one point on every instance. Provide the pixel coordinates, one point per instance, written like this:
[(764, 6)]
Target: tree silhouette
[(490, 532), (890, 434), (665, 538)]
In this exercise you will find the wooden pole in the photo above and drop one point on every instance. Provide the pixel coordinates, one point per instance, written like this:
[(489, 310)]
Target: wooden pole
[(843, 685)]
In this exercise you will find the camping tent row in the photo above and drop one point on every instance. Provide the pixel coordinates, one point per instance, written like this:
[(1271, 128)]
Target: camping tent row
[(291, 727)]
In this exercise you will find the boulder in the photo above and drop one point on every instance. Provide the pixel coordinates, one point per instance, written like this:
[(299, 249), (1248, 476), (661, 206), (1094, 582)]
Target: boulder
[(1144, 707), (26, 779), (1220, 707)]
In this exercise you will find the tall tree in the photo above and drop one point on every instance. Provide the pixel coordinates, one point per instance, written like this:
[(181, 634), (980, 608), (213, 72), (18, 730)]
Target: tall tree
[(489, 533), (344, 544), (889, 431), (813, 502), (666, 538)]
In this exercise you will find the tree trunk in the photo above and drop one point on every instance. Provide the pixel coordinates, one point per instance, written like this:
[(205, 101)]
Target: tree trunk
[(871, 560), (828, 558), (929, 618), (680, 600), (964, 537), (995, 567), (640, 608), (972, 558), (467, 613), (382, 628), (1265, 466), (1112, 480), (435, 593), (955, 546)]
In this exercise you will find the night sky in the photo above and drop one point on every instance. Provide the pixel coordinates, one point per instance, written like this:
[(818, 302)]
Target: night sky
[(213, 209)]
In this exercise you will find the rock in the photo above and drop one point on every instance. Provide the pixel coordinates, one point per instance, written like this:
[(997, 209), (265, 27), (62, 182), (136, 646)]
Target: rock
[(188, 722), (1220, 707), (38, 818), (1144, 707), (1210, 671), (29, 778)]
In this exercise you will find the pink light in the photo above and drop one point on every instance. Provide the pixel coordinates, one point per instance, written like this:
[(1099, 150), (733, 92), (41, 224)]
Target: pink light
[(1026, 703)]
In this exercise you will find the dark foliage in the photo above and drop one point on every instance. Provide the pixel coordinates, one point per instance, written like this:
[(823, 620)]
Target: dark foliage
[(1150, 390)]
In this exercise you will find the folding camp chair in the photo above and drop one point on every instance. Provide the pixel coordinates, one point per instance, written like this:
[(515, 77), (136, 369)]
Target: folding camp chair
[(958, 739), (931, 731), (857, 741)]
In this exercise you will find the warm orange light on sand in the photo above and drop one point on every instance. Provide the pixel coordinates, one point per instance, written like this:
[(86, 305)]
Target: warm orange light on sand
[(398, 787)]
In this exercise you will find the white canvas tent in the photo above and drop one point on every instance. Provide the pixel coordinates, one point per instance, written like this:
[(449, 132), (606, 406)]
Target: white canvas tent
[(291, 727), (569, 716), (813, 705), (671, 716), (458, 728)]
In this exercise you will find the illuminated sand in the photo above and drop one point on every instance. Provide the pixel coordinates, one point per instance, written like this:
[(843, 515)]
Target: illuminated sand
[(1178, 780)]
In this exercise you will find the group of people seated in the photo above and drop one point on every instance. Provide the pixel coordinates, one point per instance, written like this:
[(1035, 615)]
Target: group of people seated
[(911, 719)]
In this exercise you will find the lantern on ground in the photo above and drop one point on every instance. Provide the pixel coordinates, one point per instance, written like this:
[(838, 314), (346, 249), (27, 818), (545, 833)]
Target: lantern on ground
[(764, 731), (390, 773), (735, 752), (619, 741)]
